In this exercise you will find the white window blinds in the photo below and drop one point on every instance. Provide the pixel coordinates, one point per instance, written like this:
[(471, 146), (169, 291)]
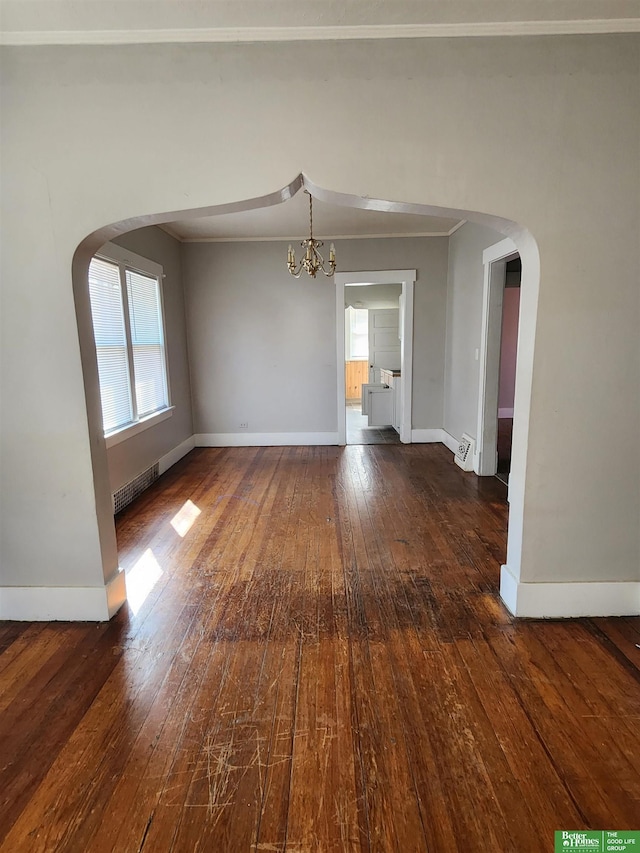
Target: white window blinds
[(111, 344), (145, 315), (126, 307)]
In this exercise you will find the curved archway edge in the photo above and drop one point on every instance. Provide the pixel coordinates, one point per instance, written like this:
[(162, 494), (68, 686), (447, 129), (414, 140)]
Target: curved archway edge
[(526, 247)]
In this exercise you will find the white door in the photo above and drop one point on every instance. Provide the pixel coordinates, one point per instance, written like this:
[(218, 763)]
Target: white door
[(384, 341)]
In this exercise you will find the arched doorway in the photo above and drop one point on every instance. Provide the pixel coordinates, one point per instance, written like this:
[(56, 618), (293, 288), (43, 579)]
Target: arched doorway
[(520, 238)]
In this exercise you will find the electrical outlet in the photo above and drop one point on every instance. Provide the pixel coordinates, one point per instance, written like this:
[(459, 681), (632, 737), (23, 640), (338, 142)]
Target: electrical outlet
[(244, 425)]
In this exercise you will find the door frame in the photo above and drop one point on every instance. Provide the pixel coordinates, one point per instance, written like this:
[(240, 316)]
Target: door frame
[(494, 258), (407, 279)]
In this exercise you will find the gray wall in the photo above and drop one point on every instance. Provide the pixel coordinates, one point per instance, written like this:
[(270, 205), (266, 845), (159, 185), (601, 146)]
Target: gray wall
[(263, 344), (562, 173), (136, 454), (464, 319)]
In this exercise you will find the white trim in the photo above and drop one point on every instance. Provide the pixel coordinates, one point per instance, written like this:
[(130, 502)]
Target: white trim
[(126, 260), (325, 237), (167, 228), (430, 436), (569, 600), (116, 589), (498, 251), (456, 227), (321, 33), (427, 436), (406, 356), (341, 358), (118, 254), (264, 439), (505, 412), (509, 590), (164, 462), (449, 441), (175, 455), (130, 430), (366, 277), (485, 461), (63, 604)]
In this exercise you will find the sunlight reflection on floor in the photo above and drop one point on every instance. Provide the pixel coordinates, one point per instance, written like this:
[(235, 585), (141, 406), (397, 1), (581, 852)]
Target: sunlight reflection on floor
[(184, 518), (141, 579)]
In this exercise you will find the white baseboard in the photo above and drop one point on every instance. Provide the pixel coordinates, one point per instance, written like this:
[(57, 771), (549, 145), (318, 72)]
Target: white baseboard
[(509, 590), (165, 462), (569, 600), (264, 439), (505, 413), (426, 436), (429, 436), (116, 589), (63, 604), (449, 441)]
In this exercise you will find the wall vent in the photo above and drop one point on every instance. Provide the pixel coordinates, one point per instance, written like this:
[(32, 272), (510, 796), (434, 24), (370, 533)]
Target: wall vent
[(464, 454), (130, 491)]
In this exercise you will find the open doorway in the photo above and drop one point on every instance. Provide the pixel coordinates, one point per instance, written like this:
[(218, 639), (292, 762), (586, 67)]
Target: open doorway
[(508, 360), (372, 363), (526, 244), (492, 361), (392, 400)]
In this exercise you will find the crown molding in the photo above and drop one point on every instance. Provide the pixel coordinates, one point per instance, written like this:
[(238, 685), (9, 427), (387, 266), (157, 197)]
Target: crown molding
[(294, 239), (320, 33), (455, 227), (166, 227)]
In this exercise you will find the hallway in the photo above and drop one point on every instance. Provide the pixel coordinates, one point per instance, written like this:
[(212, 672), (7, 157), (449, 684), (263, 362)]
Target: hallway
[(315, 658), (359, 431)]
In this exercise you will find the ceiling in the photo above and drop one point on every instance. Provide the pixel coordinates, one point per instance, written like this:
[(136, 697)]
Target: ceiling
[(30, 22), (290, 221)]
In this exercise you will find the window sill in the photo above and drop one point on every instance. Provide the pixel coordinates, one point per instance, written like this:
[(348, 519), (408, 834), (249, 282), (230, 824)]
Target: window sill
[(129, 431)]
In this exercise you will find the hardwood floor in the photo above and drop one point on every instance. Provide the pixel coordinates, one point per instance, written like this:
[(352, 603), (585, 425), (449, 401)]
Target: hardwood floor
[(321, 663)]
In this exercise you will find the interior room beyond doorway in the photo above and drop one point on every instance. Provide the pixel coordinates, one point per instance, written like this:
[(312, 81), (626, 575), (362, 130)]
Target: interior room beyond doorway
[(372, 363), (508, 360)]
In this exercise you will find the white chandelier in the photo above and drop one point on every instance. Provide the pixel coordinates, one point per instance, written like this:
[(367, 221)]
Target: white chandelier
[(312, 261)]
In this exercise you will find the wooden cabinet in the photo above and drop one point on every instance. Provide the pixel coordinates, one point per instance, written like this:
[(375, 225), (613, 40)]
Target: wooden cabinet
[(356, 374)]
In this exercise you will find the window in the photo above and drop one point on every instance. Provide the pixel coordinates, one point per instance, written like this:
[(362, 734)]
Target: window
[(357, 334), (126, 306)]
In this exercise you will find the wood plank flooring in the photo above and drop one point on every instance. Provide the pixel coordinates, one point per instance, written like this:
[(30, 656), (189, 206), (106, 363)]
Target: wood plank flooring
[(320, 662)]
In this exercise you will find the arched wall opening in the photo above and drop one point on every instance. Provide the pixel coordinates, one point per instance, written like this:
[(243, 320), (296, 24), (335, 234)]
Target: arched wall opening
[(522, 239), (195, 125)]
